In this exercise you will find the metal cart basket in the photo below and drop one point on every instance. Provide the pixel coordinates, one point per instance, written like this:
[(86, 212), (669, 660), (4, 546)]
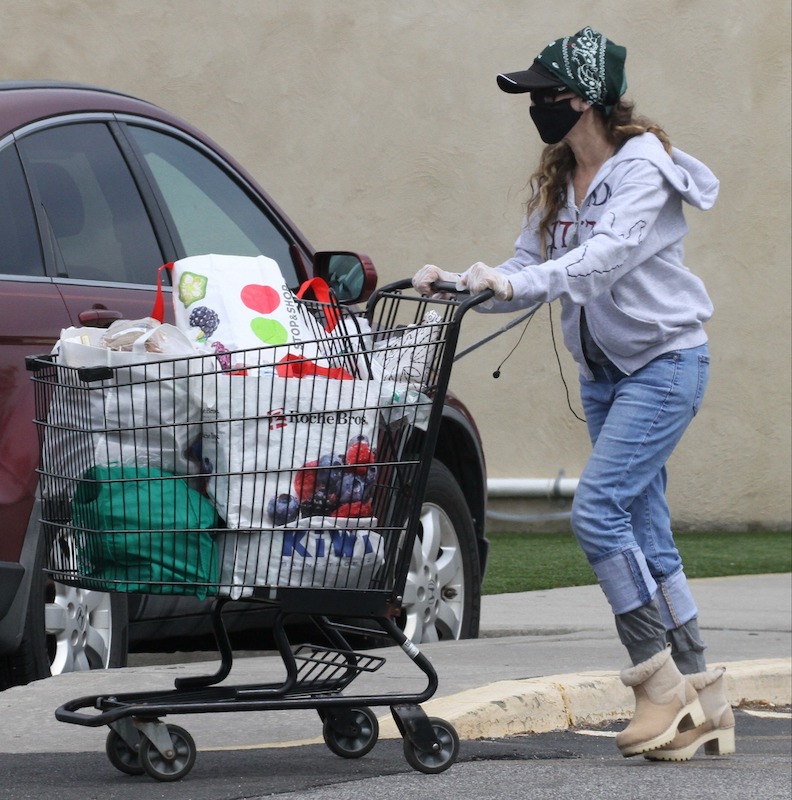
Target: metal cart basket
[(290, 478)]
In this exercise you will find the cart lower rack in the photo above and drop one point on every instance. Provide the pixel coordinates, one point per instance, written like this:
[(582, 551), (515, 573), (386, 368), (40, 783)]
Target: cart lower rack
[(290, 478)]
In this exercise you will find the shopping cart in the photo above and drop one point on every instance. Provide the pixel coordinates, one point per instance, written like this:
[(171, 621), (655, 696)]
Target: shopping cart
[(289, 480)]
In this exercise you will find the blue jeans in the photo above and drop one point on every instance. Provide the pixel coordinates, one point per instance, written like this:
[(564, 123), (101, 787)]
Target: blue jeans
[(620, 514)]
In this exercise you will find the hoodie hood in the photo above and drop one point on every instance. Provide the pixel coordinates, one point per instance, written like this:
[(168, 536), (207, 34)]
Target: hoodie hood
[(693, 180)]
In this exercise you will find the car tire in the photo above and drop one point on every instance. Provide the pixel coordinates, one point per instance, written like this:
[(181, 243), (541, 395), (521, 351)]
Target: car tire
[(442, 595), (66, 630)]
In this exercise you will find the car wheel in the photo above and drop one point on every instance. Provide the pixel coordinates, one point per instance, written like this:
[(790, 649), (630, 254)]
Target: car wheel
[(67, 630), (442, 595), (83, 629)]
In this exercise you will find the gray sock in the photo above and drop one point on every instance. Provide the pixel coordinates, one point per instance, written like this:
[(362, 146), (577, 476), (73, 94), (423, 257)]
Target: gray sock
[(687, 647), (642, 632)]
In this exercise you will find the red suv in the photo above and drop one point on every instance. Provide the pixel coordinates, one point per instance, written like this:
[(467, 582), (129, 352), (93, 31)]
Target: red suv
[(98, 189)]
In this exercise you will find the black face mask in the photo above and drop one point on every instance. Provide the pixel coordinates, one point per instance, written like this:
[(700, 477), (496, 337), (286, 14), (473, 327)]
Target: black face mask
[(555, 121)]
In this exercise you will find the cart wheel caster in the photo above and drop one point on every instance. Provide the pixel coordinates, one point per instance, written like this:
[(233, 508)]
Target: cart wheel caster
[(123, 757), (351, 734), (437, 760), (172, 768)]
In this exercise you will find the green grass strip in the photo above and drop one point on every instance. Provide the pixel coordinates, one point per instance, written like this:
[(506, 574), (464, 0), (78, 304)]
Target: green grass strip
[(524, 562)]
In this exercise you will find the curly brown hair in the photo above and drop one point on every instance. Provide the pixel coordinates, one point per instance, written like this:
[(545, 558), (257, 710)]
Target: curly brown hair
[(550, 181)]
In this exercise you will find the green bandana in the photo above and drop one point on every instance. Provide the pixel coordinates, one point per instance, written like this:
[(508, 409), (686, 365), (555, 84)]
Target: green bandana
[(590, 65)]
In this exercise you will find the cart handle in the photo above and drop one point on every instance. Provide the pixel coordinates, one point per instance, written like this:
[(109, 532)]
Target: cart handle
[(462, 297), (450, 288)]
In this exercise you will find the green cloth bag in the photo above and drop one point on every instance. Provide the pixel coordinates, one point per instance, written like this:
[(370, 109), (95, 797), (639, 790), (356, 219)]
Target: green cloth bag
[(144, 530)]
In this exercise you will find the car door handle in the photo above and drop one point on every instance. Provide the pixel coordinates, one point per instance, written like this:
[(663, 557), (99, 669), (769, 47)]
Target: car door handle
[(99, 317)]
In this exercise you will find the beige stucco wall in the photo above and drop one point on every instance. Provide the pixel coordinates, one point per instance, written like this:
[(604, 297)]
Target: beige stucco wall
[(378, 126)]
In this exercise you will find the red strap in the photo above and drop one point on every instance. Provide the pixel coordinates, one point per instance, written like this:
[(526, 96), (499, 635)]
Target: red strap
[(321, 292), (293, 366), (158, 312)]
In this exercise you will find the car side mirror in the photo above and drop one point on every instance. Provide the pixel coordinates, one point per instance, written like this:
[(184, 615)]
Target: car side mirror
[(351, 276)]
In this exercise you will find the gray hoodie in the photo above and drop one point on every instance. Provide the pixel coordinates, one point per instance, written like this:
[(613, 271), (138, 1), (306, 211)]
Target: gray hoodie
[(620, 256)]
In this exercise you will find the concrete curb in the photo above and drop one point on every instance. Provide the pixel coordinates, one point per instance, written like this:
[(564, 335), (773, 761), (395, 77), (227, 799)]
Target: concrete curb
[(560, 702)]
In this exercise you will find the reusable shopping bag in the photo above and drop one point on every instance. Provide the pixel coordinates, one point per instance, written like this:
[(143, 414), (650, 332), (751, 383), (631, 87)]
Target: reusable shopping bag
[(407, 355), (236, 303), (144, 530)]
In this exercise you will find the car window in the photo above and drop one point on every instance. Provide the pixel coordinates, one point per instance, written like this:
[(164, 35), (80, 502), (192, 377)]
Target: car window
[(211, 211), (21, 250), (89, 205)]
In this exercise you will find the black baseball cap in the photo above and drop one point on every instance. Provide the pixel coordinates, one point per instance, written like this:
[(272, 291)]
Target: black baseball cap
[(535, 78)]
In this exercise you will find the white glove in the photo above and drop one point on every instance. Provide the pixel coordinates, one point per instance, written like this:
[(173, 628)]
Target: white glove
[(428, 275), (480, 277)]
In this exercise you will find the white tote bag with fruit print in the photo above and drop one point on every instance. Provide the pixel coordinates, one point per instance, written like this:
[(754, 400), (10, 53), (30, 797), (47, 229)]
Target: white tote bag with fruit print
[(231, 303)]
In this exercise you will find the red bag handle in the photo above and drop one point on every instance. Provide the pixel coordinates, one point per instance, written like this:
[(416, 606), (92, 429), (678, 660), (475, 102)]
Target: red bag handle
[(158, 312), (292, 366), (323, 294)]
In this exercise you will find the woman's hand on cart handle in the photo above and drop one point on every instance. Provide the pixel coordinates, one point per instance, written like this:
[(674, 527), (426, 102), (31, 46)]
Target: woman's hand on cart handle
[(481, 277), (426, 281), (431, 281), (446, 290)]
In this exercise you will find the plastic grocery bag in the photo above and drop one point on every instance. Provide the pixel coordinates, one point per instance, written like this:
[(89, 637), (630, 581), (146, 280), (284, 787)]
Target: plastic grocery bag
[(400, 364), (144, 530), (147, 413), (283, 449), (407, 355), (330, 558), (319, 557), (293, 473)]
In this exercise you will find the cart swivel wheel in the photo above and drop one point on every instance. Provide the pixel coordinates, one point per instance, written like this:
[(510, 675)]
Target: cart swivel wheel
[(123, 757), (179, 761), (357, 734), (439, 759)]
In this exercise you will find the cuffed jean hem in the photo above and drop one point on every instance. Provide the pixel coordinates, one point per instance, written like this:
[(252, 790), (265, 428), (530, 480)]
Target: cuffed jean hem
[(626, 580), (676, 602)]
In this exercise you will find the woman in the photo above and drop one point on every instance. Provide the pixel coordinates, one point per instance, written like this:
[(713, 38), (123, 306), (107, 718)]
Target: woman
[(603, 234)]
